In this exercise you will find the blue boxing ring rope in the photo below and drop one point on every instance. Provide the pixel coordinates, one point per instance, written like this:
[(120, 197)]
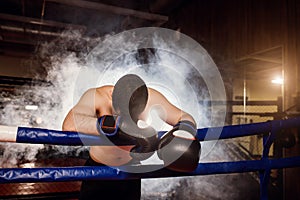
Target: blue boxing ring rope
[(53, 174)]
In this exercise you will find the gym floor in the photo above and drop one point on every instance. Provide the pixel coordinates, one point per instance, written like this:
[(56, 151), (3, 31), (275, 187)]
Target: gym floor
[(45, 190)]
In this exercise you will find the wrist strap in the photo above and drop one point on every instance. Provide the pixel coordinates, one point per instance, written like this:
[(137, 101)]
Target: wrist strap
[(186, 125), (108, 125)]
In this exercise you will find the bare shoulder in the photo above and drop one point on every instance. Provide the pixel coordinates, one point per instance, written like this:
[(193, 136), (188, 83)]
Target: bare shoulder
[(94, 100), (104, 90), (155, 95), (94, 95), (157, 98), (153, 91)]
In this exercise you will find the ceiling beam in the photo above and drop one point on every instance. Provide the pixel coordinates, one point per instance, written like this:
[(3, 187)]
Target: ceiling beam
[(113, 9), (271, 60), (41, 22), (262, 53)]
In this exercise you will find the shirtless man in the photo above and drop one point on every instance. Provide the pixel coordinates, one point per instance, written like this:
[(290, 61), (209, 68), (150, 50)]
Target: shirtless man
[(131, 100)]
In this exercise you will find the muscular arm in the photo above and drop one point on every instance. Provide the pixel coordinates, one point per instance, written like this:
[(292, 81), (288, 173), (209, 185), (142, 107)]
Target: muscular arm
[(178, 148), (82, 117), (167, 111)]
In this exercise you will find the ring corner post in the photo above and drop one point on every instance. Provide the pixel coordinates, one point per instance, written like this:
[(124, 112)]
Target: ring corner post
[(265, 174), (264, 177)]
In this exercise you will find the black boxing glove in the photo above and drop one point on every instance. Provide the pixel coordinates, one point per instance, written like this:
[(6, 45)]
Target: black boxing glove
[(179, 148), (146, 143), (116, 128)]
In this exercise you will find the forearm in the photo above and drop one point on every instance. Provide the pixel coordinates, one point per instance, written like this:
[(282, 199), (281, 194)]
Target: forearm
[(80, 123)]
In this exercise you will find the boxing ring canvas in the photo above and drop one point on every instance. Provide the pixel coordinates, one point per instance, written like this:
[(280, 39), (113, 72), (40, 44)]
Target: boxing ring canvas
[(54, 174)]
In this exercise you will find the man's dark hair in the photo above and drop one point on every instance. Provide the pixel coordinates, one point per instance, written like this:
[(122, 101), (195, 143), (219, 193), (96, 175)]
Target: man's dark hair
[(130, 96)]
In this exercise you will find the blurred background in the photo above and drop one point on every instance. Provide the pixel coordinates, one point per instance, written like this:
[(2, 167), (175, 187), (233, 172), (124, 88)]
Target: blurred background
[(254, 43)]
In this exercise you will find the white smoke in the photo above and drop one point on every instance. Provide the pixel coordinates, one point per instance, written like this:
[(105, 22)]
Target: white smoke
[(13, 153), (54, 99), (169, 70)]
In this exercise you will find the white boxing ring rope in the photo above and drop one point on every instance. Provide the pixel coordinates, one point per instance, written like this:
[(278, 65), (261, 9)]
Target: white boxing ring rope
[(53, 174)]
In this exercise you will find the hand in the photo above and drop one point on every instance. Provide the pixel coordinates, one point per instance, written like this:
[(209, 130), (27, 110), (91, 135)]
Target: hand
[(146, 144), (179, 148), (115, 127)]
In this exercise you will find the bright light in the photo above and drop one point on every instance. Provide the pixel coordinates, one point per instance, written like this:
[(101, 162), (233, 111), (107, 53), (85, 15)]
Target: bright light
[(31, 107), (28, 165), (38, 120), (278, 81)]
